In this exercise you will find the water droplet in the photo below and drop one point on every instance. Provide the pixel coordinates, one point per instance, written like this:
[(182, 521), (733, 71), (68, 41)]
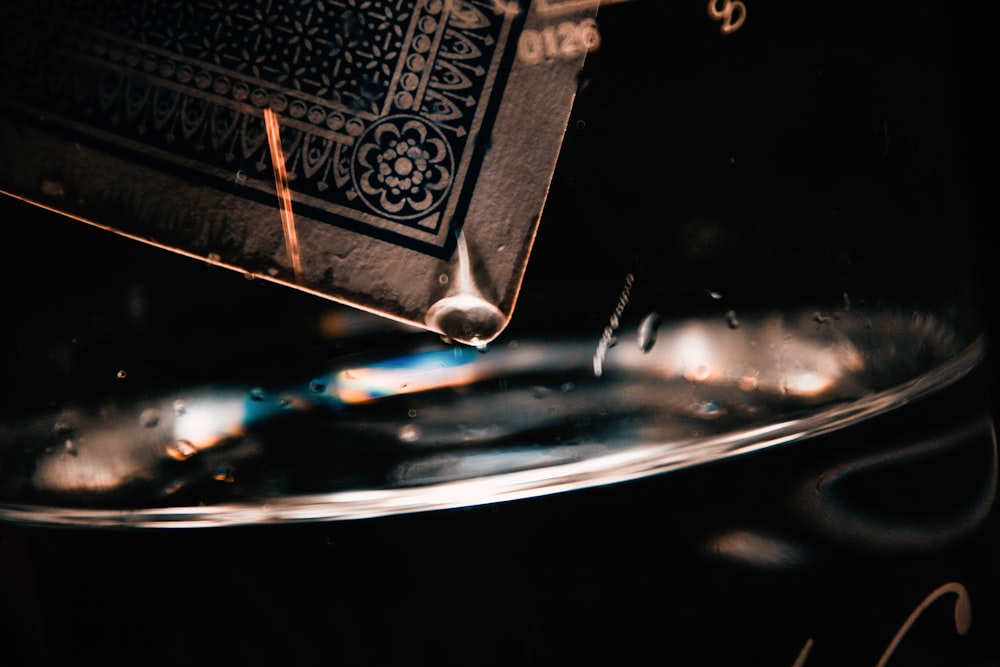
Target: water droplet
[(224, 474), (466, 318), (647, 331), (317, 385), (257, 394), (149, 418), (181, 450), (464, 315), (71, 448), (53, 189), (179, 407), (120, 374), (731, 320), (715, 295), (285, 401), (409, 433), (65, 426), (443, 279), (412, 413)]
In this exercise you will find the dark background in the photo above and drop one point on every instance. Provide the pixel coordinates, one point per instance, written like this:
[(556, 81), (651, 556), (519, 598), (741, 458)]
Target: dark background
[(624, 574)]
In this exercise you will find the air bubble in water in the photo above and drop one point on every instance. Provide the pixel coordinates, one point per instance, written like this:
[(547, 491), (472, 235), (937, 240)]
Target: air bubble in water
[(150, 418), (539, 391), (181, 450)]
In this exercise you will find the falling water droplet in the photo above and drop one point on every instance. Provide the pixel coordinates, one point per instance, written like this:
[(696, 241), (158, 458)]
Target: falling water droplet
[(150, 418), (181, 450), (647, 331)]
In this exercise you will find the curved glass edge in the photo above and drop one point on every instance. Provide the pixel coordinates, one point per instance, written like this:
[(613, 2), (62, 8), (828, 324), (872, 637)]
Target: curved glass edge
[(639, 462)]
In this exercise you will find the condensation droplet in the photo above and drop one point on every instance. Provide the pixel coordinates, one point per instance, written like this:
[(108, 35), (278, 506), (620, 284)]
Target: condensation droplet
[(181, 450), (224, 474), (121, 374), (71, 448), (731, 320), (179, 407), (149, 418), (409, 433), (715, 295), (257, 394), (412, 413), (317, 385)]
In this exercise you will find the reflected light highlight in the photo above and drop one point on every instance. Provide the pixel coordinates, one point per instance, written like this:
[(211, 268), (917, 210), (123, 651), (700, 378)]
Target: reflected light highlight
[(408, 374)]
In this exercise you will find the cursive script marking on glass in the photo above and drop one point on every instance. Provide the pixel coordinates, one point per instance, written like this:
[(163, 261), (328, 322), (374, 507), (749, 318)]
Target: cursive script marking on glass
[(963, 619), (732, 14)]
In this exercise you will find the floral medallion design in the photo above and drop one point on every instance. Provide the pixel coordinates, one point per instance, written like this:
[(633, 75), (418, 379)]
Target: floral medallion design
[(403, 167)]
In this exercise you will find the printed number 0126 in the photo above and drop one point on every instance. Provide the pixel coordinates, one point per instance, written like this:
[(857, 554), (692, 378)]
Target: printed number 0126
[(566, 40)]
